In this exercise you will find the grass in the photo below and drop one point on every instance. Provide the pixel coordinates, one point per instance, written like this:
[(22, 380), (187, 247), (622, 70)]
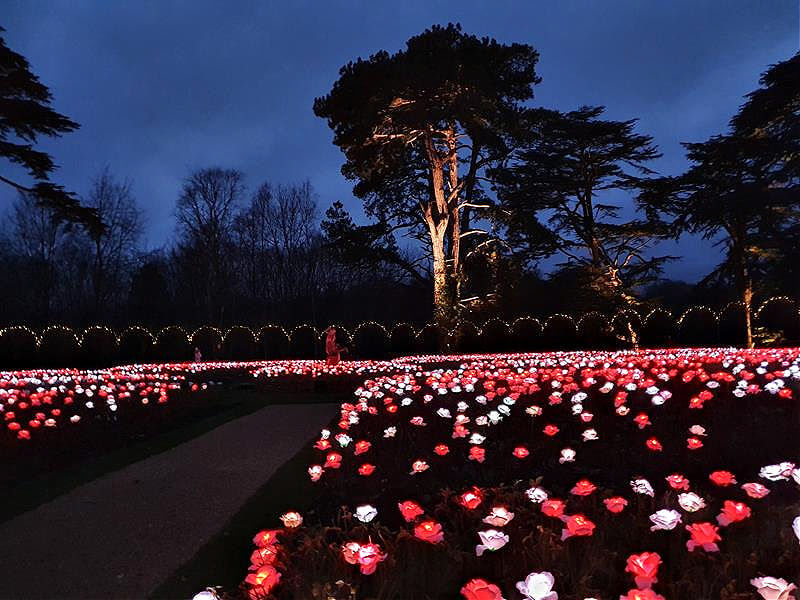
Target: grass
[(51, 476)]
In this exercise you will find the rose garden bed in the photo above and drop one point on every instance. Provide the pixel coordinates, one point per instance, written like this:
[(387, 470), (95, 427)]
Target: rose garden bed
[(655, 474)]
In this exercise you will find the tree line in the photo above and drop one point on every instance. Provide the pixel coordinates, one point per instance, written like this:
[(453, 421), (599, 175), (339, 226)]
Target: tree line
[(467, 187)]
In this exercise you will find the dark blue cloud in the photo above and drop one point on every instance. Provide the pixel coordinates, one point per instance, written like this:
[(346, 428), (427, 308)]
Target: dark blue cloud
[(164, 87)]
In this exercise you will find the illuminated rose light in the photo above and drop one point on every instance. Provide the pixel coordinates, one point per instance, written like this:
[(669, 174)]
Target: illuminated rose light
[(538, 586)]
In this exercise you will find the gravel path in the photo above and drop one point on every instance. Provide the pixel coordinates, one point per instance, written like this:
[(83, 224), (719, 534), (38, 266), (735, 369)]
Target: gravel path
[(121, 535)]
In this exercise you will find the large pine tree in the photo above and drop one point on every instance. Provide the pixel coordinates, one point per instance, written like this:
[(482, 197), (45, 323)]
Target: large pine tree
[(25, 115), (418, 129), (563, 191), (743, 187)]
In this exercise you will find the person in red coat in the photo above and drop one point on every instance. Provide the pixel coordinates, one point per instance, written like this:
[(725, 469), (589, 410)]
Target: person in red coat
[(333, 350)]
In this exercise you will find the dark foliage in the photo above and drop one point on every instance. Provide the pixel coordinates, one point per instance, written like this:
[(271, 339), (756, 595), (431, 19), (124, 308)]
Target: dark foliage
[(559, 333), (99, 348), (208, 340), (274, 342), (370, 340), (304, 342), (402, 339), (172, 344), (58, 347), (239, 344)]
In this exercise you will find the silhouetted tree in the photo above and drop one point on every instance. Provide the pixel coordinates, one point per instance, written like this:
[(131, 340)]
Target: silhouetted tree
[(569, 174), (25, 115), (742, 188), (418, 129), (205, 213), (116, 248)]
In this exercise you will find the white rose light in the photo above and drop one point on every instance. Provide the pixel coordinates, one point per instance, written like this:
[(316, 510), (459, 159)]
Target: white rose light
[(691, 502), (365, 513), (665, 519), (538, 586)]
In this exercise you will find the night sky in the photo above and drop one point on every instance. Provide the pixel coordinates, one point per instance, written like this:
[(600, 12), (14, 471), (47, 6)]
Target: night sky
[(161, 88)]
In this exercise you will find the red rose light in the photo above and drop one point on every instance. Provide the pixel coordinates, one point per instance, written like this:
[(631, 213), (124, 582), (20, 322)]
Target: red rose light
[(477, 453), (722, 478), (733, 512), (677, 482), (480, 589), (616, 504), (333, 461), (577, 525), (366, 469), (654, 445), (693, 443), (268, 537), (410, 510), (362, 446), (553, 507), (263, 580), (429, 531), (584, 487), (644, 568), (645, 594), (441, 449), (263, 556), (521, 452), (704, 535), (550, 430), (472, 498)]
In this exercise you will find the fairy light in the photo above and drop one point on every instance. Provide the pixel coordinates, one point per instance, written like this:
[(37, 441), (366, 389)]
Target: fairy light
[(696, 310)]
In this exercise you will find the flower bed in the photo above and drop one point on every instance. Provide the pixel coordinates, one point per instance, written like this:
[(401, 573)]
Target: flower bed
[(668, 473), (50, 419), (35, 401)]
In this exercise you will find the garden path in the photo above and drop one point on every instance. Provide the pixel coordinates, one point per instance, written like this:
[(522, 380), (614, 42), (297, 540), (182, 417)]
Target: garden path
[(122, 534)]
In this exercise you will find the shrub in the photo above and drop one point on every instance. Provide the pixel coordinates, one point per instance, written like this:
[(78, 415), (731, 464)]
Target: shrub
[(594, 331), (239, 343), (559, 333), (18, 347), (494, 336), (59, 347), (136, 345), (780, 320), (658, 330), (429, 339), (303, 343), (402, 339), (697, 327), (732, 325), (465, 338), (370, 340), (172, 345), (525, 334), (209, 340), (99, 347), (273, 342)]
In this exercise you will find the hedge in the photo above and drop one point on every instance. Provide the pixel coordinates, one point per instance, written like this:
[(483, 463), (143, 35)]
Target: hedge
[(776, 322)]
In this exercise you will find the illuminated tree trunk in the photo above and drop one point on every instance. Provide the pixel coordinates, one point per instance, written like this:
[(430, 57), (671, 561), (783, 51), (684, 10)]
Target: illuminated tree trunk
[(745, 282), (747, 298)]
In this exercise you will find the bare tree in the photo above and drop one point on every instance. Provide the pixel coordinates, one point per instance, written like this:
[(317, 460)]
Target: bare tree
[(277, 237), (115, 250), (205, 214), (36, 236)]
